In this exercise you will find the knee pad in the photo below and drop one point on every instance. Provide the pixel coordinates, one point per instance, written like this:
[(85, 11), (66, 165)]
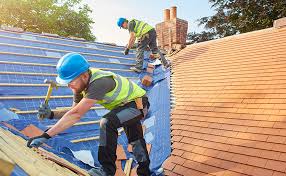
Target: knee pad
[(140, 151)]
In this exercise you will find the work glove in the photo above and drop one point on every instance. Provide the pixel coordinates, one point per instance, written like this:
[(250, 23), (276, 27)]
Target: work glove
[(45, 112), (126, 51), (38, 140)]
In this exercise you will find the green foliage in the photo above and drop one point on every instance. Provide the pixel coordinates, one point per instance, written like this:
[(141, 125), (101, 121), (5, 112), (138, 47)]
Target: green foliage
[(49, 16), (239, 16)]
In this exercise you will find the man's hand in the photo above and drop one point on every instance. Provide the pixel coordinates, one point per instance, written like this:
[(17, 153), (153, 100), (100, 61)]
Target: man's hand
[(126, 51), (38, 140), (44, 111)]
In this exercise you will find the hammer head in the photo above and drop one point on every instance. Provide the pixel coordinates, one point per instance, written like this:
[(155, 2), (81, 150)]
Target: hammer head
[(51, 82)]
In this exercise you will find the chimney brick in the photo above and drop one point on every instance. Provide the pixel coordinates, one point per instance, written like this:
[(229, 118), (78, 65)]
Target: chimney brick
[(167, 15), (172, 32)]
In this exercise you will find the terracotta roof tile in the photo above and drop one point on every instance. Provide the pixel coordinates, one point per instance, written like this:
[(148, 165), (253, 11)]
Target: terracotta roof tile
[(119, 171), (32, 131), (229, 114), (120, 153), (279, 174), (133, 171), (276, 165)]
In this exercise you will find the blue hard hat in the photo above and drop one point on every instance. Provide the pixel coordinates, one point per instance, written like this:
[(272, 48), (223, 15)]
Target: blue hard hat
[(70, 66), (120, 21)]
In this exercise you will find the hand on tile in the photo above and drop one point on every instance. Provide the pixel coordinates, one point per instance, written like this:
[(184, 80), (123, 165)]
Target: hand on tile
[(38, 140)]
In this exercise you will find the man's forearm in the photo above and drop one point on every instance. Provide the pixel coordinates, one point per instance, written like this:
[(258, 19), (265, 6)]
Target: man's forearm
[(131, 43), (57, 114), (64, 123), (132, 39)]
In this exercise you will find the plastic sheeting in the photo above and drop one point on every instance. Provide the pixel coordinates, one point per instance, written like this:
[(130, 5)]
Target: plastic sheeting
[(157, 121)]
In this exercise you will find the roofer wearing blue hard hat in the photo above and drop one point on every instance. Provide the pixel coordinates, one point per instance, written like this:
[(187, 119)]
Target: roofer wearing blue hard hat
[(146, 36), (127, 103)]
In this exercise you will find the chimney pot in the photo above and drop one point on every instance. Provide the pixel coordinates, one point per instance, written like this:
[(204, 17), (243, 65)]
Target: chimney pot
[(173, 12), (167, 15)]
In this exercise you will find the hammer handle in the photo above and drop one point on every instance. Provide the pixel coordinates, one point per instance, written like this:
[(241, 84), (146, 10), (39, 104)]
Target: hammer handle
[(48, 94)]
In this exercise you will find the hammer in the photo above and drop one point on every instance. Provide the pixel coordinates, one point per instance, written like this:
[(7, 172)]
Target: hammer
[(52, 84)]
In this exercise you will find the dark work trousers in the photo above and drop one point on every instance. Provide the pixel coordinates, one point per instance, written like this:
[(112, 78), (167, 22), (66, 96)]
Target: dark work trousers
[(128, 117), (148, 40)]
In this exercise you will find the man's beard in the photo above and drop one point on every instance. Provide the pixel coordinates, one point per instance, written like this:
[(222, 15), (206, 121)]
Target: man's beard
[(82, 88)]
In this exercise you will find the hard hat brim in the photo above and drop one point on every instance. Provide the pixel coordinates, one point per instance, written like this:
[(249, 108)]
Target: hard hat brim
[(63, 81)]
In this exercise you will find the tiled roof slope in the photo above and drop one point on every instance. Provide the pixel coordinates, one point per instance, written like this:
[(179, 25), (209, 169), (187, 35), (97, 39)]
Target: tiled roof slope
[(229, 116)]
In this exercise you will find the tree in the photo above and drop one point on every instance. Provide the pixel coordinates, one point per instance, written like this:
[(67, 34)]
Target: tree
[(49, 16), (239, 16)]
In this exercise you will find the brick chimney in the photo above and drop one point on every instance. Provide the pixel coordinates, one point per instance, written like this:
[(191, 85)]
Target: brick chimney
[(172, 32)]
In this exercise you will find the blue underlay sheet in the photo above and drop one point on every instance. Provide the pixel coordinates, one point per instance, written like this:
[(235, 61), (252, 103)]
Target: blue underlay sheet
[(16, 48)]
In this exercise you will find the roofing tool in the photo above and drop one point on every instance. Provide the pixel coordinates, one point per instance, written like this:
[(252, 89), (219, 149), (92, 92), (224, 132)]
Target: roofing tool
[(52, 85)]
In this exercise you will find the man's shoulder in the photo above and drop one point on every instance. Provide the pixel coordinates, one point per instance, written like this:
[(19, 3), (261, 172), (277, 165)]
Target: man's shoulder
[(131, 25)]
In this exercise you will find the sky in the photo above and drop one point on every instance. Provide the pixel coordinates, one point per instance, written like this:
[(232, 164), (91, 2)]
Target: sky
[(106, 12)]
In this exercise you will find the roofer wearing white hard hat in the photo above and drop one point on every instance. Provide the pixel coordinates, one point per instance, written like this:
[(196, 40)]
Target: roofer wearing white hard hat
[(127, 103)]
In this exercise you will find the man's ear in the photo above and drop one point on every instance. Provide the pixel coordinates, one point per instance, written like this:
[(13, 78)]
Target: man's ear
[(85, 75)]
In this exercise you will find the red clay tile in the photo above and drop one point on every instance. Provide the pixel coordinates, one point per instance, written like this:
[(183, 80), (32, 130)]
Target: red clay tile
[(259, 162), (133, 171), (180, 170), (270, 154), (278, 174), (276, 139), (261, 172), (177, 138), (282, 157), (177, 152), (177, 160), (119, 170), (231, 104), (276, 165), (32, 131), (120, 153), (149, 147), (169, 173), (129, 148), (168, 165)]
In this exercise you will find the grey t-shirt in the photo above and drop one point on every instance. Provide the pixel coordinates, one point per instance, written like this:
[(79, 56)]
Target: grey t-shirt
[(131, 26), (97, 89)]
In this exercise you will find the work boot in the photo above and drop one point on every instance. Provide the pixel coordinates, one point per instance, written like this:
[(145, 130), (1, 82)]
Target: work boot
[(155, 56), (136, 69), (97, 171), (167, 65)]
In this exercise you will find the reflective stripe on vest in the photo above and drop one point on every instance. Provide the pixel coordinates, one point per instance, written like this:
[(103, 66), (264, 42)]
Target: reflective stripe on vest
[(129, 92), (118, 90), (141, 30), (119, 95)]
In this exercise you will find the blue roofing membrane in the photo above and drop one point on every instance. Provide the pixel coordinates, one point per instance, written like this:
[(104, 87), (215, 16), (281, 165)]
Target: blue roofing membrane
[(26, 59)]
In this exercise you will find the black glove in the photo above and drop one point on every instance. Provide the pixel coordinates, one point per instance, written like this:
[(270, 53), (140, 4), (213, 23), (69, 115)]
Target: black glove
[(38, 140), (126, 51)]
